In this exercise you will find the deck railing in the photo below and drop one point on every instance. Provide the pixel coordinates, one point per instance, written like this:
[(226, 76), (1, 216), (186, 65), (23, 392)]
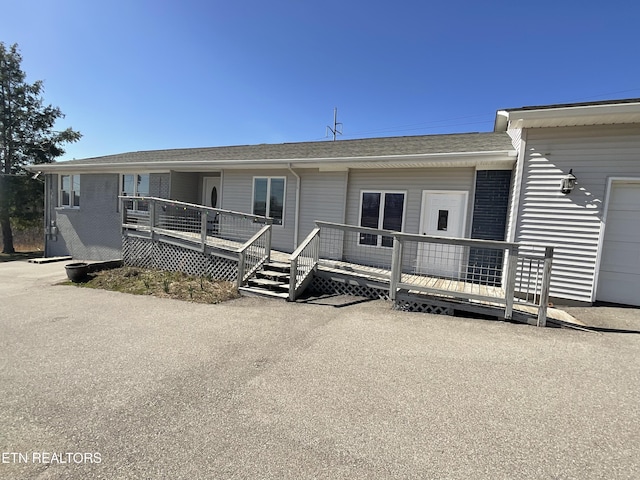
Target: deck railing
[(304, 261), (242, 236), (490, 272), (253, 254), (181, 219)]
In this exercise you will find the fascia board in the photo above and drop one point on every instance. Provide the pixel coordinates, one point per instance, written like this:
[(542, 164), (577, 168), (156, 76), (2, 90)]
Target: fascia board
[(343, 162), (590, 114)]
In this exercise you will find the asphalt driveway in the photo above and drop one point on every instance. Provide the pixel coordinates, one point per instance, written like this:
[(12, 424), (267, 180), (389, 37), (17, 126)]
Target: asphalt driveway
[(96, 384)]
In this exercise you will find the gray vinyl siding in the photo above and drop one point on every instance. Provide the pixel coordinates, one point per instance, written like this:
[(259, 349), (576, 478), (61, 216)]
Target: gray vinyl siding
[(237, 193), (572, 223), (185, 187), (411, 181), (91, 232), (322, 198)]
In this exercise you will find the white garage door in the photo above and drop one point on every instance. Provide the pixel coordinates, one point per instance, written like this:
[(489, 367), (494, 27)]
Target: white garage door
[(619, 278)]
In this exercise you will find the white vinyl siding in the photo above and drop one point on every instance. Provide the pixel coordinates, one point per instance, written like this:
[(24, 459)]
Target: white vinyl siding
[(572, 223)]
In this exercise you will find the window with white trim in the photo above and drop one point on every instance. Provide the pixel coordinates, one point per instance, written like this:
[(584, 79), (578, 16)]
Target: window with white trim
[(382, 210), (268, 197), (69, 191), (135, 185)]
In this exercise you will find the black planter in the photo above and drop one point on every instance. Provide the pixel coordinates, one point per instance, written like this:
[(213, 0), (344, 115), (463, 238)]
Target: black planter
[(77, 272)]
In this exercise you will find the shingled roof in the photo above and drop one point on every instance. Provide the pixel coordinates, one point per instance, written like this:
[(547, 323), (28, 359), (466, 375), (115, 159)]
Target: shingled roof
[(342, 149)]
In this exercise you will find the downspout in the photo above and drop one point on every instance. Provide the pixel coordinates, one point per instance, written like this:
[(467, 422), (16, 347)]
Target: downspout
[(47, 213), (346, 192), (297, 214)]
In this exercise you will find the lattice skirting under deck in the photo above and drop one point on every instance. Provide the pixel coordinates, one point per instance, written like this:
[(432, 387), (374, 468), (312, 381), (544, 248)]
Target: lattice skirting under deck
[(146, 253), (407, 305), (324, 285), (331, 286)]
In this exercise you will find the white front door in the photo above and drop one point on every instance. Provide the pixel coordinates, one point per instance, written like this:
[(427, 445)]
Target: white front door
[(211, 192), (619, 275), (443, 215)]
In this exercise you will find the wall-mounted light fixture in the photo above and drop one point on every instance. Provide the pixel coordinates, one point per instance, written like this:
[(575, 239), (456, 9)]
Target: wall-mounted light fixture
[(568, 182)]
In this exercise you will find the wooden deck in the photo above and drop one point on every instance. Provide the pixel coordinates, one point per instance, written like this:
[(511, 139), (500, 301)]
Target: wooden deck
[(462, 294), (418, 283), (194, 240)]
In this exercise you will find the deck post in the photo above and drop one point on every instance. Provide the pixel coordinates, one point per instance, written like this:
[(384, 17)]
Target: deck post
[(510, 287), (152, 217), (396, 267), (123, 213), (268, 244), (544, 289), (293, 279), (203, 229), (240, 269)]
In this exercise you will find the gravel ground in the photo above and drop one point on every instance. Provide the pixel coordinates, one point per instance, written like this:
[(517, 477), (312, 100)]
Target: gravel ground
[(120, 386)]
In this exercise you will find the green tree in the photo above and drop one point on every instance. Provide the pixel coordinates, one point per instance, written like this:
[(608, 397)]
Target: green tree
[(26, 137)]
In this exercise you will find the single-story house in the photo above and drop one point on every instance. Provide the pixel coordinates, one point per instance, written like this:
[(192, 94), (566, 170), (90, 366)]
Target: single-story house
[(500, 185)]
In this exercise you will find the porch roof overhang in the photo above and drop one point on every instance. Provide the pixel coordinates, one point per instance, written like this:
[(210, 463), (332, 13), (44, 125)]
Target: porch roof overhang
[(569, 115), (500, 159)]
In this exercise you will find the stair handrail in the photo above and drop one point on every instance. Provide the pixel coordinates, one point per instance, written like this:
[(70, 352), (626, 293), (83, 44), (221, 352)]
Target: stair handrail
[(301, 271), (249, 264)]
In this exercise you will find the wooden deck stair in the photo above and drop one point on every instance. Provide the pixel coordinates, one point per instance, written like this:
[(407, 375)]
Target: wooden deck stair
[(271, 281)]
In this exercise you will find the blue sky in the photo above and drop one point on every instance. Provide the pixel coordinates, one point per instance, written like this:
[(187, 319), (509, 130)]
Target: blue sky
[(142, 75)]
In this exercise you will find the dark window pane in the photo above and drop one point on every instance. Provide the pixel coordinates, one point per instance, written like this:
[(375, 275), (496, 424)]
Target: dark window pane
[(143, 185), (76, 190), (127, 185), (443, 220), (65, 189), (387, 241), (276, 200), (214, 197), (368, 239), (369, 217), (260, 196), (393, 206), (370, 214)]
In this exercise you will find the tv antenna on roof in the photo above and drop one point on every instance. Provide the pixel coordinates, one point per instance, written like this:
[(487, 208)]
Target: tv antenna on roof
[(335, 130)]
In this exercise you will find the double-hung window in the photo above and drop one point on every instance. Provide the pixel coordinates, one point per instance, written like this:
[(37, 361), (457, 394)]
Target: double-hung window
[(69, 191), (268, 197), (381, 210)]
